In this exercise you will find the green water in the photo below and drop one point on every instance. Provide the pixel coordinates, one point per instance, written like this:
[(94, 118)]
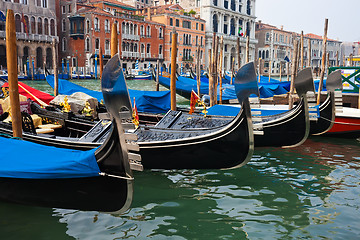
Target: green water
[(308, 192)]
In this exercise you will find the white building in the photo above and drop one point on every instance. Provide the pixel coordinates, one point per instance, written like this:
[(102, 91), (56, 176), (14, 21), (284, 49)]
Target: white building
[(228, 18)]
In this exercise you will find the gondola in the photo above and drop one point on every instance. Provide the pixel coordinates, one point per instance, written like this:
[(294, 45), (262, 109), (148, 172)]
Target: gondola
[(327, 108), (286, 129), (95, 180), (221, 147)]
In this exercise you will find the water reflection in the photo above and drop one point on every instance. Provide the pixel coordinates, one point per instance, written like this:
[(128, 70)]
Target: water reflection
[(310, 191)]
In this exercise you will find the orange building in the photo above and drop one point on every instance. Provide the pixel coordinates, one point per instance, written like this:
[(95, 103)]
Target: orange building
[(190, 30), (86, 27)]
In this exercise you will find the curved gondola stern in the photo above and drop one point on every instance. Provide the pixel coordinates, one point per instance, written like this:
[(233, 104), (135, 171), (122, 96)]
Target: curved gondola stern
[(304, 85), (245, 85), (333, 101), (118, 105)]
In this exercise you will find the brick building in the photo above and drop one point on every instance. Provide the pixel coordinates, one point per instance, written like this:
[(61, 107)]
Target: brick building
[(36, 25), (86, 27), (190, 30)]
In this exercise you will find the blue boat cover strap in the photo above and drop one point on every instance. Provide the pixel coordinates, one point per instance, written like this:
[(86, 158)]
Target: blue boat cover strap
[(27, 160)]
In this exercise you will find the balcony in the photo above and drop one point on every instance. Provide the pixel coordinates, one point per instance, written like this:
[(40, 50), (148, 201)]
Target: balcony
[(77, 27), (161, 56), (142, 55), (130, 37), (31, 37), (107, 51), (148, 55)]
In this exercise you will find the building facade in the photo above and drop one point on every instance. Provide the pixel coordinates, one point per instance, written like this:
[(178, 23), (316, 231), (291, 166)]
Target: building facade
[(86, 27), (190, 30), (276, 44), (273, 46), (231, 19), (36, 25)]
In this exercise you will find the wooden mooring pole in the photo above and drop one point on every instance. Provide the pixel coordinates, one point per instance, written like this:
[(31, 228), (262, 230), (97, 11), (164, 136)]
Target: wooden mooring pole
[(293, 74), (101, 62), (198, 82), (157, 75), (55, 67), (309, 53), (247, 58), (239, 52), (323, 61), (302, 50), (11, 57), (173, 70), (114, 40), (220, 67)]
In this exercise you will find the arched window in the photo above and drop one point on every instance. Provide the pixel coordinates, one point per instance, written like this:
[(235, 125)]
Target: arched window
[(46, 26), (17, 23), (107, 25), (40, 30), (148, 48), (97, 44), (215, 23), (135, 30), (142, 30), (248, 7), (232, 5), (232, 26), (87, 45), (127, 28), (267, 53), (184, 39), (52, 27), (160, 33), (107, 46), (117, 26), (142, 48), (135, 47), (123, 28), (215, 2), (63, 25), (248, 30), (33, 25), (160, 50), (26, 26), (123, 46), (148, 31), (63, 45), (96, 24), (131, 29)]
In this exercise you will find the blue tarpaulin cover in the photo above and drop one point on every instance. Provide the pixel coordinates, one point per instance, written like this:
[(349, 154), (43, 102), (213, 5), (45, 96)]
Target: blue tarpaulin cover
[(146, 101), (267, 89), (23, 159)]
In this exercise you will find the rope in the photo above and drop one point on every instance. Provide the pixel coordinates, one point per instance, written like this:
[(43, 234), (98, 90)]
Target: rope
[(9, 136), (354, 124)]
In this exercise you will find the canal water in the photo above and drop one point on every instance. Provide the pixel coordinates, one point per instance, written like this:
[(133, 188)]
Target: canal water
[(308, 192)]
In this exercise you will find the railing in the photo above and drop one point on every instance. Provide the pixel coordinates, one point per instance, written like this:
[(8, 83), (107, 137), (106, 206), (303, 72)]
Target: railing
[(142, 55), (148, 55), (131, 37), (107, 51), (161, 56), (31, 37)]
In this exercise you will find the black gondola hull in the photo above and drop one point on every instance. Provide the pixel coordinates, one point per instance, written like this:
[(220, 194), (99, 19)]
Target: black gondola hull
[(287, 129), (226, 148)]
